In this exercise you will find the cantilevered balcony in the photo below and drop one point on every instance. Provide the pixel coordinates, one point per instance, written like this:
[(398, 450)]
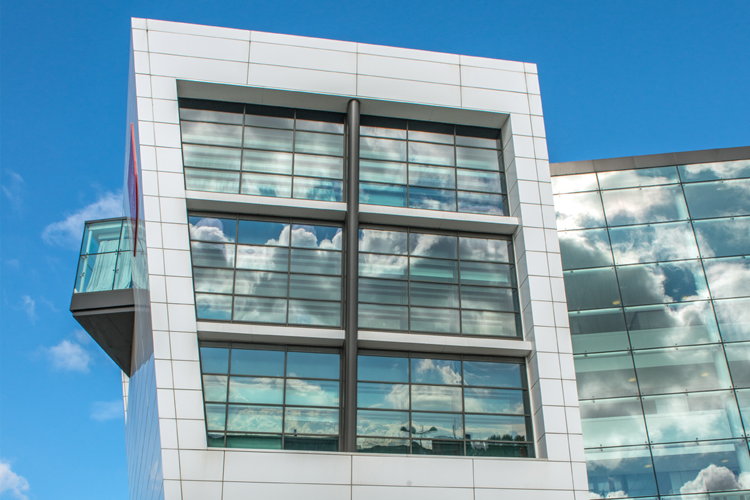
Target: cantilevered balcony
[(103, 297)]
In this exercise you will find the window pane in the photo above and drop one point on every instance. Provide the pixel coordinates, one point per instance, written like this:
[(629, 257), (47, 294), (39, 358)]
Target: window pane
[(389, 132), (210, 229), (490, 323), (383, 291), (482, 159), (433, 294), (734, 319), (612, 422), (382, 266), (582, 249), (598, 330), (435, 371), (214, 181), (574, 183), (263, 233), (718, 199), (319, 166), (278, 186), (382, 149), (579, 211), (383, 368), (256, 390), (439, 270), (605, 375), (382, 194), (214, 360), (432, 199), (260, 283), (383, 317), (213, 280), (211, 157), (270, 121), (723, 237), (484, 249), (314, 287), (442, 445), (435, 177), (389, 396), (493, 401), (308, 312), (478, 203), (738, 356), (437, 427), (266, 138), (473, 180), (638, 177), (257, 310), (215, 388), (312, 364), (383, 423), (681, 369), (681, 467), (312, 392), (257, 362), (690, 417), (203, 115), (728, 278), (211, 133), (620, 471), (320, 126), (639, 206), (257, 441), (262, 258), (318, 261), (432, 245), (380, 171), (310, 421), (670, 325), (491, 374), (213, 306), (308, 142), (591, 288), (216, 416), (445, 137), (495, 428), (254, 418), (660, 283), (485, 273), (715, 171), (371, 240), (267, 162), (477, 137), (324, 237), (653, 243), (433, 154), (318, 189), (434, 320)]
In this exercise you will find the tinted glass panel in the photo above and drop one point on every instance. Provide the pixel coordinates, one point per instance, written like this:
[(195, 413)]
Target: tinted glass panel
[(579, 211), (653, 243), (728, 278), (591, 288), (681, 369), (723, 237), (715, 171), (636, 178), (613, 422), (639, 206), (718, 199), (582, 249), (660, 283)]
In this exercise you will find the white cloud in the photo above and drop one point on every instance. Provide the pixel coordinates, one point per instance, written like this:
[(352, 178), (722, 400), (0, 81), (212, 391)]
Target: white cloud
[(29, 306), (10, 482), (613, 494), (13, 190), (70, 356), (107, 410), (68, 232)]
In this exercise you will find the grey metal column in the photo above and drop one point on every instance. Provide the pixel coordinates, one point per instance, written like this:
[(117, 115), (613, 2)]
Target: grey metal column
[(352, 272)]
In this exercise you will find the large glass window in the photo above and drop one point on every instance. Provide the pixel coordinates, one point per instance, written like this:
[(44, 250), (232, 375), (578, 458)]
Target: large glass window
[(266, 271), (432, 166), (437, 283), (442, 406), (270, 398), (106, 257), (262, 151)]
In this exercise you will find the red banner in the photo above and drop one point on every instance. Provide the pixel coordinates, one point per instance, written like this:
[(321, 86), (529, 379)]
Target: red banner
[(133, 189)]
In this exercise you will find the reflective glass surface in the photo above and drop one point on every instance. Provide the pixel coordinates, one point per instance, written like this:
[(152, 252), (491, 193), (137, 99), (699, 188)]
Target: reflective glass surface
[(425, 405), (274, 398), (639, 206), (280, 152), (436, 283), (286, 273), (105, 262)]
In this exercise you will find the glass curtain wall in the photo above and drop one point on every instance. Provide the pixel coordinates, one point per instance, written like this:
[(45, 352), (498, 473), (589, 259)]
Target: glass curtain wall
[(106, 257), (432, 166), (658, 290), (276, 271), (448, 283), (442, 406), (270, 397), (260, 150)]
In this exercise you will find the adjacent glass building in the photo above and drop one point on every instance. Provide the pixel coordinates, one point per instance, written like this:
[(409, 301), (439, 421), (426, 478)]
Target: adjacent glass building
[(656, 279)]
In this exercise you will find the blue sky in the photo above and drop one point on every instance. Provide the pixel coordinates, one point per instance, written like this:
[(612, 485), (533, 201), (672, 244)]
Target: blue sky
[(618, 78)]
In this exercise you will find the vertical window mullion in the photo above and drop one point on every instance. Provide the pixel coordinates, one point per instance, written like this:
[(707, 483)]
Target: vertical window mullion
[(236, 254), (289, 274), (294, 155)]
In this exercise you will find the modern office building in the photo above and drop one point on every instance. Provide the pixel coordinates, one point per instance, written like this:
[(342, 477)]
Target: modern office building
[(339, 275)]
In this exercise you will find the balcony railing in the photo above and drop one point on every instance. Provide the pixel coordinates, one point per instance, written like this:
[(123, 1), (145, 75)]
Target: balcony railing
[(106, 257)]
